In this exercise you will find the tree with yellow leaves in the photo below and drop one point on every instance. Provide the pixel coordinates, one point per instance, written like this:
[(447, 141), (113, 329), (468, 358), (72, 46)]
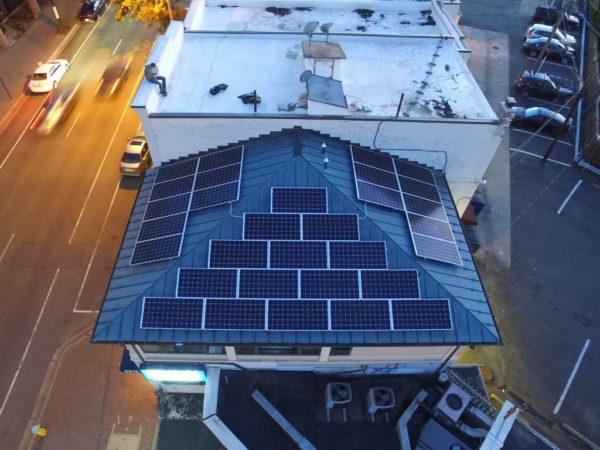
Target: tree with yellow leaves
[(151, 11)]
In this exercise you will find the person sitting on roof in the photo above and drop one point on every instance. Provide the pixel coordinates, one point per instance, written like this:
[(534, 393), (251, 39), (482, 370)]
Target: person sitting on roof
[(151, 72)]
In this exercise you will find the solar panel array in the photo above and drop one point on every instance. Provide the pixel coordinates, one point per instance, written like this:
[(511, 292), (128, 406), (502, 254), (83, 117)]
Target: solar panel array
[(298, 269), (401, 185), (179, 188)]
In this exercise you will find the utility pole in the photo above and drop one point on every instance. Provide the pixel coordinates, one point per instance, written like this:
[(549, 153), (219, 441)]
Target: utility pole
[(62, 28), (538, 62), (563, 128)]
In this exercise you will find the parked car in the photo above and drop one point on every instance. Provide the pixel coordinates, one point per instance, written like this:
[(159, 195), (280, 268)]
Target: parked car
[(55, 109), (539, 84), (555, 48), (114, 77), (549, 14), (541, 30), (136, 158), (47, 76), (536, 117), (91, 10)]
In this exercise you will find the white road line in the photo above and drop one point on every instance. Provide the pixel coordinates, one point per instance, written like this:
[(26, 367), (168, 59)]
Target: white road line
[(571, 377), (87, 199), (37, 322), (541, 136), (87, 272), (6, 248), (518, 150), (73, 126), (569, 197), (539, 100), (89, 35), (553, 63), (118, 43)]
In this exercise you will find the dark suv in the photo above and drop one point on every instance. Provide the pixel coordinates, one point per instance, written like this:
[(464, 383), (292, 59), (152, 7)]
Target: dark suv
[(549, 14), (91, 10), (540, 84)]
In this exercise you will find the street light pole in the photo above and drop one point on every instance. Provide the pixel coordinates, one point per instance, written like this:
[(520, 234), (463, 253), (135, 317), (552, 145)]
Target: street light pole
[(5, 88)]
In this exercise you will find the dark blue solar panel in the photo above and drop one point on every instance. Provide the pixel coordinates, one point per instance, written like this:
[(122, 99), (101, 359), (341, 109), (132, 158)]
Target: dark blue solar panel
[(165, 226), (298, 200), (298, 315), (207, 283), (330, 227), (222, 314), (238, 254), (390, 284), (371, 158), (376, 176), (379, 195), (213, 196), (218, 176), (298, 255), (172, 187), (419, 189), (172, 313), (324, 284), (167, 206), (357, 255), (272, 226), (421, 314), (222, 158), (156, 249), (176, 170), (269, 284), (436, 249), (360, 315), (430, 227), (424, 207), (413, 171)]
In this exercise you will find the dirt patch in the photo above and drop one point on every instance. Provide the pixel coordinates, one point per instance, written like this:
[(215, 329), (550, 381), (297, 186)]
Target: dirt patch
[(281, 12), (364, 13)]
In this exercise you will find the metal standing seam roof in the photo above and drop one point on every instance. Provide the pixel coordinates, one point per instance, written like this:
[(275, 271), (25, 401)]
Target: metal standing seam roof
[(292, 158)]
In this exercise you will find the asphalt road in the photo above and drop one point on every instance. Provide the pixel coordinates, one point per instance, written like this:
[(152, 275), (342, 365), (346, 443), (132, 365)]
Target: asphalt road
[(545, 301), (64, 209)]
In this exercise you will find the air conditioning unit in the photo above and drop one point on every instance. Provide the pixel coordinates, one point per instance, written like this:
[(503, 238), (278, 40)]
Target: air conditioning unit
[(453, 402), (337, 394), (380, 398)]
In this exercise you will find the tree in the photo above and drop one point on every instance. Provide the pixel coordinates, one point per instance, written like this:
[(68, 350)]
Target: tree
[(151, 11)]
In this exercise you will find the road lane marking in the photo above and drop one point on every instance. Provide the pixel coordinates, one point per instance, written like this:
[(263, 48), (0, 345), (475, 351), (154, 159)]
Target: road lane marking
[(118, 43), (37, 322), (73, 126), (112, 139), (87, 272), (89, 35), (566, 199), (6, 248), (541, 136), (539, 157), (571, 377)]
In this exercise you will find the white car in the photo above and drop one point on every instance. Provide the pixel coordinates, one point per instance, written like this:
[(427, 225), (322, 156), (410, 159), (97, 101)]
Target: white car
[(136, 158), (47, 76)]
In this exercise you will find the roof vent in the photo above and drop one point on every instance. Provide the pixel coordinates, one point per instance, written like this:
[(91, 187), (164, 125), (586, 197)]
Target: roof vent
[(453, 402), (378, 399), (337, 394)]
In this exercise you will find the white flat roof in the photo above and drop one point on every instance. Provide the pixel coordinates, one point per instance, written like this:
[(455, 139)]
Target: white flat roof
[(378, 69)]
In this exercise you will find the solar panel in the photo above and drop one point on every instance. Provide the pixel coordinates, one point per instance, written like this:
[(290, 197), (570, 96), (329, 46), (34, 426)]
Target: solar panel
[(414, 171), (272, 226), (268, 283), (218, 176), (298, 315), (172, 313), (421, 314), (207, 283), (214, 196), (222, 158), (176, 170), (238, 254), (162, 227), (156, 249), (435, 249), (360, 315), (224, 314), (324, 284), (357, 255), (167, 206), (298, 255), (172, 187), (424, 207), (420, 189), (379, 195), (299, 200), (376, 176), (389, 284), (373, 159), (430, 227), (330, 227)]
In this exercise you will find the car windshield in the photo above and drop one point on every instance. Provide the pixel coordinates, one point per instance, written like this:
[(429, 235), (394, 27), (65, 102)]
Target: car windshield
[(40, 76), (131, 157), (135, 143)]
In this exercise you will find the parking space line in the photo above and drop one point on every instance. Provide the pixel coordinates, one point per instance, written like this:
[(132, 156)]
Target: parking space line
[(552, 62), (559, 105), (6, 247), (569, 196), (73, 126), (541, 136), (518, 150), (571, 377)]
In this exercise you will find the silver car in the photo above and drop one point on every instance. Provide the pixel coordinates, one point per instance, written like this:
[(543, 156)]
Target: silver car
[(541, 30), (136, 158)]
